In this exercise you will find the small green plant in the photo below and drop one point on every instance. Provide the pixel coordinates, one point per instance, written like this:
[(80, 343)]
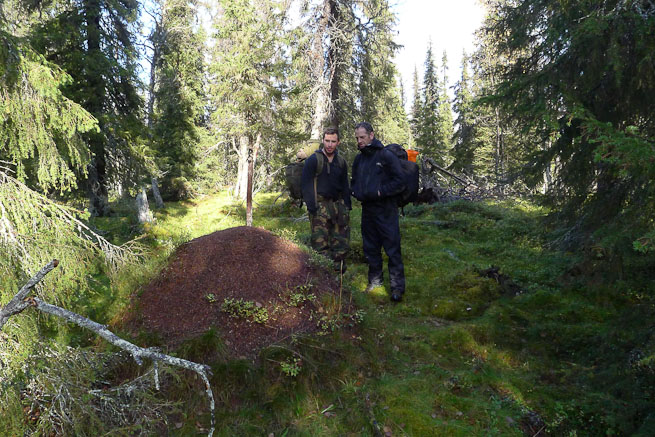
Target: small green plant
[(211, 297), (245, 309), (357, 317), (328, 322), (287, 234), (297, 299), (318, 260), (291, 367), (299, 295)]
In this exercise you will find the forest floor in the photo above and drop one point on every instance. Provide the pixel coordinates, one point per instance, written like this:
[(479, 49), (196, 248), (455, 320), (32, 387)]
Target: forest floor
[(540, 344)]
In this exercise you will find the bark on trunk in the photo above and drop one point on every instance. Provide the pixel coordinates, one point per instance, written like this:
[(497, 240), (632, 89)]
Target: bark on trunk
[(143, 209), (334, 64), (97, 189), (159, 202), (249, 190), (321, 76), (152, 82), (245, 145), (241, 185)]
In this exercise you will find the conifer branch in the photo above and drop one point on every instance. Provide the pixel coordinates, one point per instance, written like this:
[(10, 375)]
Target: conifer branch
[(21, 301)]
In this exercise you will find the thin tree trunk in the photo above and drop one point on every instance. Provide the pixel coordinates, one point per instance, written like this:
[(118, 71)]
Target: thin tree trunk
[(251, 159), (498, 161), (152, 82), (321, 102), (548, 174), (334, 64), (241, 185), (97, 189), (159, 202)]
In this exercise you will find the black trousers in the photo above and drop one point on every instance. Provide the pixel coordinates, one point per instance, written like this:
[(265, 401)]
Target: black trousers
[(380, 229)]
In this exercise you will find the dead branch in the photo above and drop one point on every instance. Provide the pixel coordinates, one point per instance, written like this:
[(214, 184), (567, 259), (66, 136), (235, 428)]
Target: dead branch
[(443, 170), (21, 301), (18, 302)]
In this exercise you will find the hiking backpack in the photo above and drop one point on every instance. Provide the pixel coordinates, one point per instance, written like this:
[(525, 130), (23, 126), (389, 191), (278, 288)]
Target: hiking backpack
[(410, 174), (293, 171)]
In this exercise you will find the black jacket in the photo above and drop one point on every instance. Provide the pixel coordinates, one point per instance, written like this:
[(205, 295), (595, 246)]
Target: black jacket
[(376, 170), (332, 183)]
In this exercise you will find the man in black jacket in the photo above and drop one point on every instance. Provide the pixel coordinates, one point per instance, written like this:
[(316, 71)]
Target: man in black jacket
[(376, 180), (326, 192)]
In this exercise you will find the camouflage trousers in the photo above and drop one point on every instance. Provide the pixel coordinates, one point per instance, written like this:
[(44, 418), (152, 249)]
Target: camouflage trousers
[(331, 229)]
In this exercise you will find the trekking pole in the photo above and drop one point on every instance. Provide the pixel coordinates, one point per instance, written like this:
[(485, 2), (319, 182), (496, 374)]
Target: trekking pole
[(340, 284)]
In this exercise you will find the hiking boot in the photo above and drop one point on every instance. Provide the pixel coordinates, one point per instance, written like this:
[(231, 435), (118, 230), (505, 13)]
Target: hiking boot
[(396, 296), (371, 286)]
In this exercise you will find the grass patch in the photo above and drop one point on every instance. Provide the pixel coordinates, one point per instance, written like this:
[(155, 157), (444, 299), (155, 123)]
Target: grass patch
[(458, 357)]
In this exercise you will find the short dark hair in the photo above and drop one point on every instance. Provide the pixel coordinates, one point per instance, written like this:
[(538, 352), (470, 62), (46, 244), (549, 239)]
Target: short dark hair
[(366, 125), (331, 131)]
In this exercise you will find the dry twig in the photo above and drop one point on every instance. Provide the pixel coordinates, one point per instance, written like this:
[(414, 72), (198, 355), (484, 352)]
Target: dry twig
[(21, 301)]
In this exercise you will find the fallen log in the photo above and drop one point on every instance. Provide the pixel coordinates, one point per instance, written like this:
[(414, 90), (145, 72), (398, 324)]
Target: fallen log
[(22, 301)]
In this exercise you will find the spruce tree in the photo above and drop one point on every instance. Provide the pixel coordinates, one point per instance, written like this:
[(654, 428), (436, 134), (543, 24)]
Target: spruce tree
[(249, 81), (350, 72), (428, 127), (444, 111), (379, 93), (41, 130), (584, 89), (178, 93), (415, 114), (94, 41), (464, 138)]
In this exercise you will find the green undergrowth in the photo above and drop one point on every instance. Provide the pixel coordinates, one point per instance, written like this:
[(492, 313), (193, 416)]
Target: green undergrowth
[(557, 352)]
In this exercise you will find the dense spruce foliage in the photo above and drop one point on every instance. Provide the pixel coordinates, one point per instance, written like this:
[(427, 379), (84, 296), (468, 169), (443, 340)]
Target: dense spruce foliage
[(577, 78)]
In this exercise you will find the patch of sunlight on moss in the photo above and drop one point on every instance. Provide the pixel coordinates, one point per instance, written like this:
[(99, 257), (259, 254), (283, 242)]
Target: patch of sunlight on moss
[(452, 309), (185, 221), (408, 401), (378, 292), (504, 359)]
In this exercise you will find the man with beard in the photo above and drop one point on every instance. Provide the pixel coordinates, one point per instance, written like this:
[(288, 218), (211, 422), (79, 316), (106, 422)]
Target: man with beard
[(326, 192)]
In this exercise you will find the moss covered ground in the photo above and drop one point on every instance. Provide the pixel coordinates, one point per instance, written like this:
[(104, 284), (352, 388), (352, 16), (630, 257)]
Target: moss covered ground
[(563, 351)]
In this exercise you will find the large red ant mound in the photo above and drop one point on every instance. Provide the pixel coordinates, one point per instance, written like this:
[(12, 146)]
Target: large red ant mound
[(253, 287)]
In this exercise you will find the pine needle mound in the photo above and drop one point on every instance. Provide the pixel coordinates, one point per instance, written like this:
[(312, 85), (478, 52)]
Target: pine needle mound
[(253, 287)]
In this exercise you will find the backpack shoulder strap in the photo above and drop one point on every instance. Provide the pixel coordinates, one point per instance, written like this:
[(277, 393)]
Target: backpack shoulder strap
[(320, 159), (341, 162)]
